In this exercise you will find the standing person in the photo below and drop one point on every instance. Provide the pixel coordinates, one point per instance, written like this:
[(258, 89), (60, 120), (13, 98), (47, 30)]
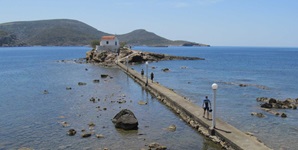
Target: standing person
[(142, 72), (152, 76), (206, 105)]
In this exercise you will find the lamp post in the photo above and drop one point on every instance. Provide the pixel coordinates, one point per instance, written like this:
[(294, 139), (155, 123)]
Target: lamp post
[(146, 73), (117, 58), (126, 63), (214, 88)]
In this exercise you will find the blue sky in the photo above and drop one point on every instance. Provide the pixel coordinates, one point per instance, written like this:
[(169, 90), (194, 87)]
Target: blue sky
[(215, 22)]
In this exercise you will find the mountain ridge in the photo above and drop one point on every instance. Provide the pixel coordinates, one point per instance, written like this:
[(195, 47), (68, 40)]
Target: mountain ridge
[(68, 32)]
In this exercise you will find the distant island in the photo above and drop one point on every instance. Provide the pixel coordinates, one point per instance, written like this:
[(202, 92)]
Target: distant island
[(66, 32)]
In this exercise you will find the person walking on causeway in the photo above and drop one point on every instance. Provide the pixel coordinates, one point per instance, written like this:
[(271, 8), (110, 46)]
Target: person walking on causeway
[(152, 76), (142, 72), (206, 105)]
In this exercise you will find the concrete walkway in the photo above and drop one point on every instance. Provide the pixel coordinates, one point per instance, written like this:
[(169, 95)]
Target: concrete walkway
[(191, 112)]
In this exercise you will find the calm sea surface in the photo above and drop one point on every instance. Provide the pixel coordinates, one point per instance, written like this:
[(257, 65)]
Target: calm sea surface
[(269, 72), (31, 119)]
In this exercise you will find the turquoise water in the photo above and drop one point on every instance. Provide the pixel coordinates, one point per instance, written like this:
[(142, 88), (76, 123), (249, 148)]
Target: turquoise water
[(29, 118), (275, 69)]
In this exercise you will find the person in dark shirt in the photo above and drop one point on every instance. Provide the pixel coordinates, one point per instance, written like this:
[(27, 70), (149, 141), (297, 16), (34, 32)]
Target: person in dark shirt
[(142, 72), (206, 105), (152, 76)]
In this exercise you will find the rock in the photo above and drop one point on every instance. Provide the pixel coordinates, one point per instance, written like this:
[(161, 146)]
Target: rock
[(262, 99), (71, 132), (126, 120), (92, 99), (260, 115), (82, 83), (91, 124), (85, 135), (283, 115), (153, 145), (121, 101), (272, 100), (142, 103), (165, 69), (243, 85), (172, 128), (104, 75), (266, 105), (99, 136), (64, 123), (96, 81), (45, 92), (278, 104), (156, 146)]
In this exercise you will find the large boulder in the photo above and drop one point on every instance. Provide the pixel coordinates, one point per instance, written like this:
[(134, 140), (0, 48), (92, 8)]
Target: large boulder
[(126, 120)]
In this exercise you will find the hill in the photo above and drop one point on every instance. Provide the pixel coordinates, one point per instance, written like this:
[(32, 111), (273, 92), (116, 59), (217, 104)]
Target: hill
[(56, 32), (66, 32)]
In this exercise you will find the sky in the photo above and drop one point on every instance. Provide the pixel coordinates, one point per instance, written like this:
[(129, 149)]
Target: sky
[(269, 23)]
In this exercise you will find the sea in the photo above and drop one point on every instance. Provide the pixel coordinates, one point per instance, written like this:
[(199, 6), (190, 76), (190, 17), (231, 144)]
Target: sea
[(40, 99)]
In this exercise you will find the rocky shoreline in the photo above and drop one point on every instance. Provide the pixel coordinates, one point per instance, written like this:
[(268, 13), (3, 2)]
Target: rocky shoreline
[(108, 58)]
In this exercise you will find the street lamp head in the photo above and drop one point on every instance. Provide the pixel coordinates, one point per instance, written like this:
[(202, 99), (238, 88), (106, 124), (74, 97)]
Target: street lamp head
[(214, 86)]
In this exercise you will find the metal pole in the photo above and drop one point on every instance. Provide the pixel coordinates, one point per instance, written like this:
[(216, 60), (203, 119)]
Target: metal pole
[(214, 110), (127, 63), (146, 73), (117, 57)]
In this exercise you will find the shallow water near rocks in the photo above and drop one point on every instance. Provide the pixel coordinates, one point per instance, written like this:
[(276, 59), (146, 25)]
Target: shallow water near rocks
[(29, 118), (268, 72)]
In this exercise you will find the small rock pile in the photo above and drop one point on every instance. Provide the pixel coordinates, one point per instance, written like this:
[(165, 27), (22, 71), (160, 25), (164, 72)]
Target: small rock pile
[(269, 104), (278, 104)]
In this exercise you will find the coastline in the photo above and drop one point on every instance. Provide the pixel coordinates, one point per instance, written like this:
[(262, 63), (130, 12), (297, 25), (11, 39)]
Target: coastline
[(107, 58)]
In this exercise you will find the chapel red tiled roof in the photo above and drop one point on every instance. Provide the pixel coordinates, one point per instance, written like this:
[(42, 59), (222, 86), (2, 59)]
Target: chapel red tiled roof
[(107, 37)]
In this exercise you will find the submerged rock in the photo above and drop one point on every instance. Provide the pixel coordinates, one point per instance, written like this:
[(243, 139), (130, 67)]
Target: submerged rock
[(165, 69), (104, 75), (64, 123), (96, 80), (283, 115), (142, 103), (260, 115), (126, 120), (71, 132), (92, 99), (82, 83), (99, 136), (156, 146), (172, 128), (45, 92), (85, 135)]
